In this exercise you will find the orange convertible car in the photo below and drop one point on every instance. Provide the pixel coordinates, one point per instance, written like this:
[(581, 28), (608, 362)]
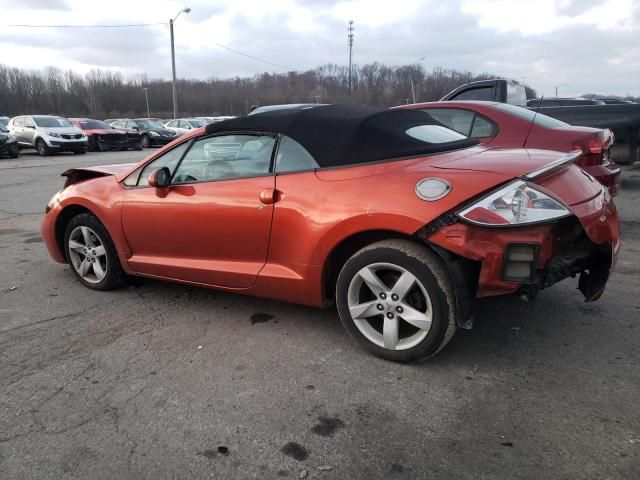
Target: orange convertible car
[(398, 220)]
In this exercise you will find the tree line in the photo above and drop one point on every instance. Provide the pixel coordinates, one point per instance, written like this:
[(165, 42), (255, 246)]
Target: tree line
[(103, 94)]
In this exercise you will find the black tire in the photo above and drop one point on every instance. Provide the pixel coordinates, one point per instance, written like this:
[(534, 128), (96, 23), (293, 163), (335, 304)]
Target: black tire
[(42, 148), (146, 141), (114, 276), (429, 270), (93, 144)]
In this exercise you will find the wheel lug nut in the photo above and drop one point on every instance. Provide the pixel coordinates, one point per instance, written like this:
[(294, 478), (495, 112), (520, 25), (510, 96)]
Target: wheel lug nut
[(399, 309), (395, 297), (383, 296), (390, 315), (379, 306)]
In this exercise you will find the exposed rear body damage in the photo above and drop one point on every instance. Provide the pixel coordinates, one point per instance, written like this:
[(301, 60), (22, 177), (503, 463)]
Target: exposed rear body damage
[(586, 243)]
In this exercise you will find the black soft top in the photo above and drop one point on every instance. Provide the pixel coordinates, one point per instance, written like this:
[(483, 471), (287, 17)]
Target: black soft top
[(343, 135)]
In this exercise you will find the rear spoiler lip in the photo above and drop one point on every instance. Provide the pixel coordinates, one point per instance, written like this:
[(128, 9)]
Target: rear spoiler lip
[(560, 162)]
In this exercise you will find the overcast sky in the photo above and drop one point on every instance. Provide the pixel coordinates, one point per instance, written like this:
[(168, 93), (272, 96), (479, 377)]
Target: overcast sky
[(589, 45)]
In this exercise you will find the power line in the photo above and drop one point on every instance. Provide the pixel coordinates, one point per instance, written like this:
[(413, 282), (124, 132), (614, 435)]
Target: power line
[(252, 57), (87, 26), (237, 52)]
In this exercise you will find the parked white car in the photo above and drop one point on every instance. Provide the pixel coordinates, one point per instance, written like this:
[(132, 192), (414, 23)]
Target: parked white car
[(184, 125), (47, 134), (215, 119)]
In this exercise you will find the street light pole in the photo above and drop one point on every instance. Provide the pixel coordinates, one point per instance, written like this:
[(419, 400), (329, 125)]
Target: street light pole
[(146, 97), (561, 85), (173, 62), (350, 42), (413, 88)]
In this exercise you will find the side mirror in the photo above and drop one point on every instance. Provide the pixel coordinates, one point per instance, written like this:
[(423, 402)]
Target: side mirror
[(160, 178), (137, 129)]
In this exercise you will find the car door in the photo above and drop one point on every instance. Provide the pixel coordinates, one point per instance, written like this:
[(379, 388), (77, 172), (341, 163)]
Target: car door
[(183, 127), (17, 128), (212, 225), (29, 131)]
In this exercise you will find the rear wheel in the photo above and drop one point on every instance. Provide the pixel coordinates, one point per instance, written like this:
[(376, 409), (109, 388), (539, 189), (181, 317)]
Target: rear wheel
[(92, 254), (395, 298), (42, 148), (93, 144)]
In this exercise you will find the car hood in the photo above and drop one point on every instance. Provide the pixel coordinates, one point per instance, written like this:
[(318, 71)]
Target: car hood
[(75, 175), (162, 131), (70, 130)]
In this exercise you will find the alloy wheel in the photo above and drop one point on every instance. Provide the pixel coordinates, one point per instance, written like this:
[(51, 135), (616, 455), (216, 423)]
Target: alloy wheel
[(87, 254), (390, 306)]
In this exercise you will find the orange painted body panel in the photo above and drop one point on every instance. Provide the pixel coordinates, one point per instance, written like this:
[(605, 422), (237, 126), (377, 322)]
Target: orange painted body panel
[(215, 233)]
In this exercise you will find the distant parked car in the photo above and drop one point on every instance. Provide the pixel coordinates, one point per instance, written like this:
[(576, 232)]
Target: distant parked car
[(209, 120), (103, 137), (615, 101), (151, 133), (502, 125), (48, 134), (184, 125), (109, 121), (562, 102), (8, 144)]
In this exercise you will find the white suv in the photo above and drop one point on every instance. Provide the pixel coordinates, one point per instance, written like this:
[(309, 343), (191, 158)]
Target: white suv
[(47, 134)]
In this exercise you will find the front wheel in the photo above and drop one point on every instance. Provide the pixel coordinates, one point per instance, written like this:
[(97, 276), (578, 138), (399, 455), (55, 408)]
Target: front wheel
[(146, 141), (396, 299), (42, 148), (92, 254)]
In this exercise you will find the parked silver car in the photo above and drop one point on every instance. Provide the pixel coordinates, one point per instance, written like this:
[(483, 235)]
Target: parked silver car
[(47, 134)]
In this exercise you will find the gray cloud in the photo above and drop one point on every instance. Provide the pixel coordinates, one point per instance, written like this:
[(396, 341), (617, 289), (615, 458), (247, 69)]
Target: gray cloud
[(60, 5), (587, 58)]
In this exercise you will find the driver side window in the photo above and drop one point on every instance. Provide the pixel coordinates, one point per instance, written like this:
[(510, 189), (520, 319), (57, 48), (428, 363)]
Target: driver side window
[(226, 157), (170, 160)]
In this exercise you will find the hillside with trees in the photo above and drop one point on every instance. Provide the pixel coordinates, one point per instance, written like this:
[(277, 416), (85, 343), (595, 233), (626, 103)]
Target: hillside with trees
[(102, 94)]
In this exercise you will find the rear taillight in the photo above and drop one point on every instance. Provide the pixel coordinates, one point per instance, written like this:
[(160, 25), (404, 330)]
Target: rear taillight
[(591, 146)]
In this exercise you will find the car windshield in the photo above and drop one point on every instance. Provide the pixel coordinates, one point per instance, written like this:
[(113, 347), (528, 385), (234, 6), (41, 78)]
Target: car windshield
[(528, 115), (148, 125), (3, 122), (434, 134), (93, 124), (197, 123), (52, 122)]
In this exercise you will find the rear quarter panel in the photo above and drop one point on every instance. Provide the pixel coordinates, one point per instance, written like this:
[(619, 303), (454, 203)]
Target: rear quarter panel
[(317, 211)]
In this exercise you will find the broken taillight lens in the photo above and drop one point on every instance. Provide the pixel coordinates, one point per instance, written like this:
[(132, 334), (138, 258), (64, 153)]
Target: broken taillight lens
[(518, 203)]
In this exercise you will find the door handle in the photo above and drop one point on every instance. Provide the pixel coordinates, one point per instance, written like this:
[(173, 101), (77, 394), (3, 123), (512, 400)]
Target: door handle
[(268, 196)]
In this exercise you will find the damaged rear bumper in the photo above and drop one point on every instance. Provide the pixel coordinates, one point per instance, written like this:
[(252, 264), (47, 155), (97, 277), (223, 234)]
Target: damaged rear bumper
[(486, 261)]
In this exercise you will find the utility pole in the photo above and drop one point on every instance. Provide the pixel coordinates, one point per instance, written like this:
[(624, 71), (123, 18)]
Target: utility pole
[(561, 85), (350, 39), (146, 97), (173, 62), (413, 87)]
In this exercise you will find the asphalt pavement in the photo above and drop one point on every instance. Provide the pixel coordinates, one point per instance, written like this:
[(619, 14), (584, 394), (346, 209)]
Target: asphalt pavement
[(158, 380)]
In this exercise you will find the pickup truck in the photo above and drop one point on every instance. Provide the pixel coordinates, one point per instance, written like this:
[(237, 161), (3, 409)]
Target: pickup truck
[(622, 119)]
